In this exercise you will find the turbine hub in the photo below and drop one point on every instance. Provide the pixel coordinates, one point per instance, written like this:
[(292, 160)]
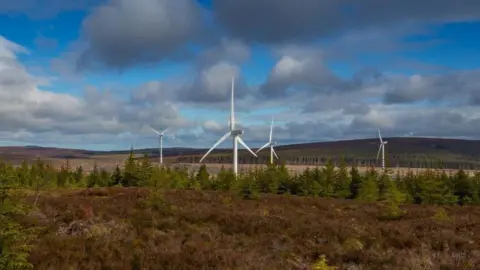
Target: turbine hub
[(237, 132)]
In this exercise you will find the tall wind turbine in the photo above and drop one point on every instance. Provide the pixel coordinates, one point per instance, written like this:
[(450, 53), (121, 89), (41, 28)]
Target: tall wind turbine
[(160, 143), (234, 133), (382, 148), (270, 143)]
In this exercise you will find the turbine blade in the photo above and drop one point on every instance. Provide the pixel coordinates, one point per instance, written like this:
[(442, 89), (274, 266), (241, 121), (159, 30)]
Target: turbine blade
[(245, 145), (380, 136), (261, 148), (164, 131), (232, 115), (275, 153), (215, 145), (378, 153), (271, 131), (155, 131)]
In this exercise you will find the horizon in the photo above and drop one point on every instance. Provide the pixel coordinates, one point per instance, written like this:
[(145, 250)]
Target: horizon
[(95, 75), (228, 148)]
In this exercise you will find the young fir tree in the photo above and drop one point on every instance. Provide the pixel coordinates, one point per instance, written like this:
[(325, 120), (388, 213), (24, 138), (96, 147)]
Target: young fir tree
[(144, 171), (105, 178), (368, 189), (14, 247), (464, 188), (93, 178), (329, 183), (130, 175), (355, 183), (117, 177), (432, 189), (202, 179), (342, 181), (23, 174), (78, 175)]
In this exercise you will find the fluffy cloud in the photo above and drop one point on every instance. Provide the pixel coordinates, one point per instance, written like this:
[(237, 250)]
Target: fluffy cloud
[(122, 33), (276, 21), (26, 107)]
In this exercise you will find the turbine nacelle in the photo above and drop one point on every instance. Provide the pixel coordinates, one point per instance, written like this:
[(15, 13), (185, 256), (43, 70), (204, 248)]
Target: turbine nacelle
[(236, 132)]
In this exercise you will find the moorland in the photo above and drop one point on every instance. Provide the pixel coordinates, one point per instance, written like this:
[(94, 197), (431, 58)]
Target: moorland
[(141, 216)]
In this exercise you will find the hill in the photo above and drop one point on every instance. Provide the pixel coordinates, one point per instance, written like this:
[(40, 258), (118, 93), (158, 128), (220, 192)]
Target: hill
[(401, 151)]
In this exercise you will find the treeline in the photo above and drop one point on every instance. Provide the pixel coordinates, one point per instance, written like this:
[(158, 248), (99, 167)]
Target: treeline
[(397, 160), (336, 181)]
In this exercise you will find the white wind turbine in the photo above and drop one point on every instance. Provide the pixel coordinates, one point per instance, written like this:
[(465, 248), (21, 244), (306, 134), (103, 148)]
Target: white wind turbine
[(234, 133), (270, 143), (382, 148), (160, 143)]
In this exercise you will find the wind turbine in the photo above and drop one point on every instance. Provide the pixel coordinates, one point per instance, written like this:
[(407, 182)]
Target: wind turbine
[(382, 148), (234, 133), (160, 143), (270, 143)]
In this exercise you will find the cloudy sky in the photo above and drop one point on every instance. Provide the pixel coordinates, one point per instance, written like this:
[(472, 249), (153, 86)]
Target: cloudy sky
[(96, 73)]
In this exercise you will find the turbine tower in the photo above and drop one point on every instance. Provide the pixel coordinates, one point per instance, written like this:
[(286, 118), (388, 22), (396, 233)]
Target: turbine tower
[(382, 148), (270, 143), (160, 144), (234, 133)]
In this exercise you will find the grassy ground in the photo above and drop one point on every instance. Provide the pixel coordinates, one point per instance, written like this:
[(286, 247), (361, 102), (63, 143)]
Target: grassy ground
[(130, 228)]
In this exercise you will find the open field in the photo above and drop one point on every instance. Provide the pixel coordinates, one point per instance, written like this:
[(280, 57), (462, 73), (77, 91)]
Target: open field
[(215, 168), (123, 228), (404, 152)]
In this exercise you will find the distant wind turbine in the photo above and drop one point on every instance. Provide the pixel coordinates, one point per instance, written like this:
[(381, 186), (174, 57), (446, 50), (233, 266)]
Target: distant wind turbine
[(381, 148), (234, 133), (270, 143), (160, 144)]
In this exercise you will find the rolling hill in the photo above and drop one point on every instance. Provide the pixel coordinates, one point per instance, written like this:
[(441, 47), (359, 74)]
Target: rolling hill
[(401, 151)]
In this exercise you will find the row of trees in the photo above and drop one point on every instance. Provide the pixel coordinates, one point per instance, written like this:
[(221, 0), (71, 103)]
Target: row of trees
[(407, 162), (430, 186)]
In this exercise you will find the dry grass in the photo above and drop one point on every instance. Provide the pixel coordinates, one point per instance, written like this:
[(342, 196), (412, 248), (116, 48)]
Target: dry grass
[(113, 229)]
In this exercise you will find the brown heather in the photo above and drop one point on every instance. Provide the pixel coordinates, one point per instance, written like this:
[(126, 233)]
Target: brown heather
[(138, 228)]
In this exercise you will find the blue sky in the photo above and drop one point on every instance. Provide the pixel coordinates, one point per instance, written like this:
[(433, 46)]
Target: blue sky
[(108, 67)]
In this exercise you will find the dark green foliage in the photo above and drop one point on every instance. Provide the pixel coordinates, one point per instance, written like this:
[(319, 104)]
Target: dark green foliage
[(117, 177), (356, 181)]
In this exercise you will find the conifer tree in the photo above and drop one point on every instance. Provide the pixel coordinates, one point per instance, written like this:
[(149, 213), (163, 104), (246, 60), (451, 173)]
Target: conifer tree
[(355, 183), (342, 181), (104, 178), (93, 178), (202, 177), (130, 175), (117, 177), (329, 182), (368, 189)]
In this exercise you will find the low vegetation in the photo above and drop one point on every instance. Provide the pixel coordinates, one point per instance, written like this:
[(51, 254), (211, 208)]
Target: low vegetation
[(148, 217)]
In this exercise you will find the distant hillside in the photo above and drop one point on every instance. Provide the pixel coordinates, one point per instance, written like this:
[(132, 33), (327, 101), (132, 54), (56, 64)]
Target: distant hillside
[(405, 152)]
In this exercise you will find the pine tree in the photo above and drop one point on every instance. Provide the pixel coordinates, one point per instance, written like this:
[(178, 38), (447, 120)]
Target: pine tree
[(432, 189), (329, 183), (368, 189), (78, 175), (355, 183), (93, 178), (144, 171), (202, 177), (105, 178), (117, 177), (342, 181), (130, 175), (464, 188)]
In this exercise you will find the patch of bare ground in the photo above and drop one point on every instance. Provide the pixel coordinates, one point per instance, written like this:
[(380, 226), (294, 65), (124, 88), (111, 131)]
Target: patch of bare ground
[(129, 228), (215, 168)]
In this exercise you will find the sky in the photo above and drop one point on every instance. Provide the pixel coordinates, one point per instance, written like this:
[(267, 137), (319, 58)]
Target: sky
[(95, 74)]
